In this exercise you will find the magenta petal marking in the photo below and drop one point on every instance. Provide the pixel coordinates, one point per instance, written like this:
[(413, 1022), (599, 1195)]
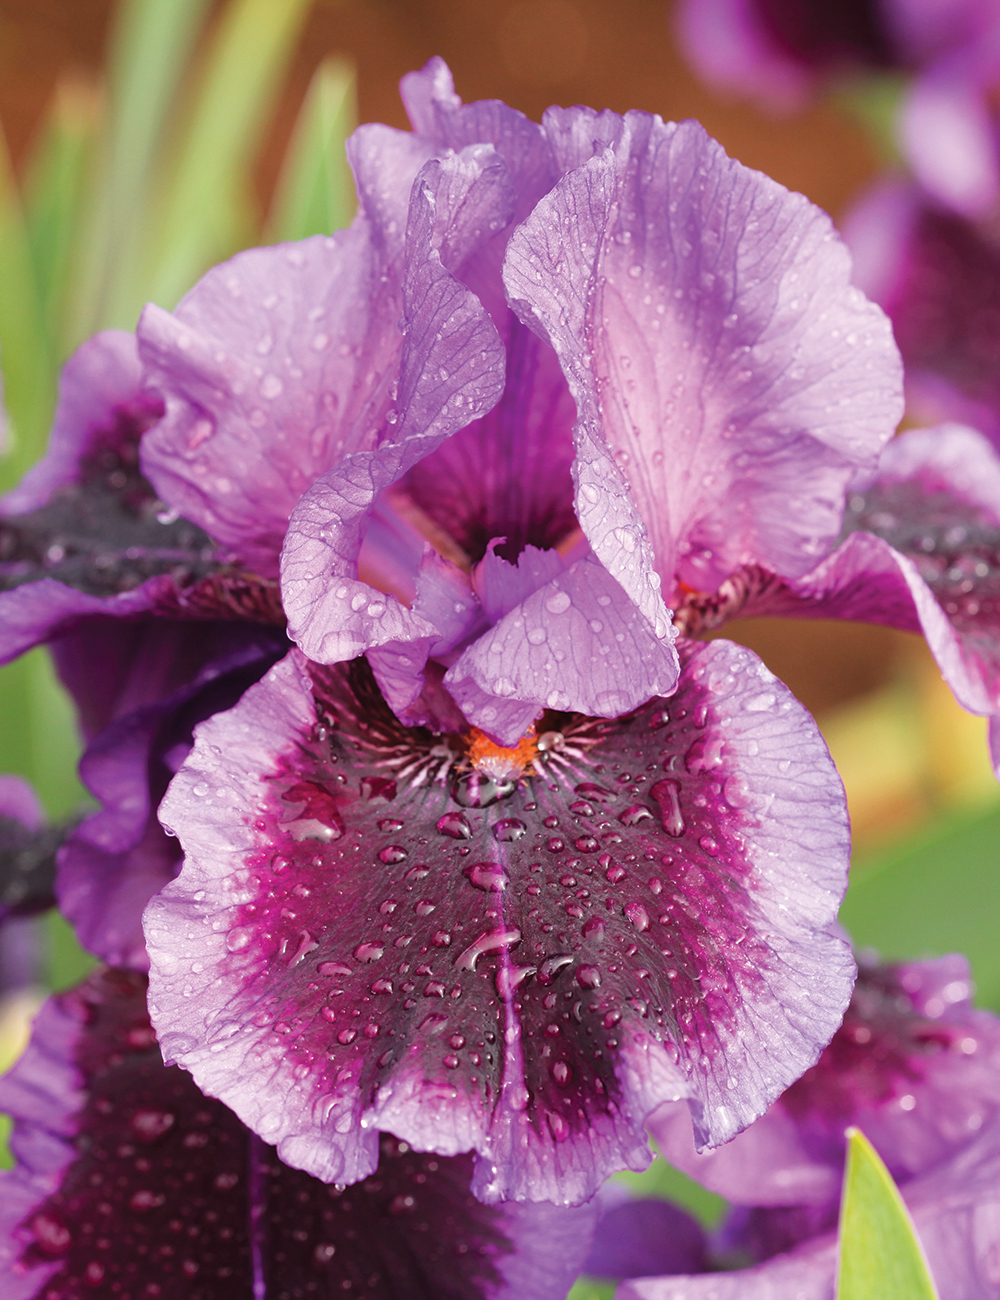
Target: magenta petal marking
[(367, 934), (577, 644), (451, 372), (662, 248), (106, 1135)]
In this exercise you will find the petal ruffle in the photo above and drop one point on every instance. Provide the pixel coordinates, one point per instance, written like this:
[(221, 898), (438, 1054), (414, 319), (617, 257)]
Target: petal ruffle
[(913, 1066), (367, 933), (451, 371), (129, 1180), (715, 349)]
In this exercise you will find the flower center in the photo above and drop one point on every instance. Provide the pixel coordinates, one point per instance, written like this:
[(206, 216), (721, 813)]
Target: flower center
[(498, 763)]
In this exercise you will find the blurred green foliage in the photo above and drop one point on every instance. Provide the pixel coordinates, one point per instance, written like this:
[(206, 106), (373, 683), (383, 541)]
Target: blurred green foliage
[(935, 892), (131, 192)]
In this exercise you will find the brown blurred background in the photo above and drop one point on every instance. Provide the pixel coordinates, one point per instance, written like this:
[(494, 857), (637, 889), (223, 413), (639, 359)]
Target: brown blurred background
[(903, 746)]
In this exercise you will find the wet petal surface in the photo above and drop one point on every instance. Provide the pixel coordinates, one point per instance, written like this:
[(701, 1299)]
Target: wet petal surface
[(370, 933), (130, 1182)]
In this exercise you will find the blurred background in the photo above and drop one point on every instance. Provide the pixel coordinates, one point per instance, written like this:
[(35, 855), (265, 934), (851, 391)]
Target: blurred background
[(147, 141)]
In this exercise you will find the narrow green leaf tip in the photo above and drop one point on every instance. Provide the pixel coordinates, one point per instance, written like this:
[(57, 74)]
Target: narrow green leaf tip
[(879, 1254)]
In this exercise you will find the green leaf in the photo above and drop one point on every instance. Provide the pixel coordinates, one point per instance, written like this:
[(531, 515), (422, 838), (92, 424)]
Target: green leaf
[(315, 193), (55, 187), (25, 353), (150, 52), (936, 892), (205, 208), (589, 1288), (879, 1254), (39, 739)]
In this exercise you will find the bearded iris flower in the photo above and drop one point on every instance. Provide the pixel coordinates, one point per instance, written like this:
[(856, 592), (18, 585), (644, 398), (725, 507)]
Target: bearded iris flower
[(492, 860), (482, 891)]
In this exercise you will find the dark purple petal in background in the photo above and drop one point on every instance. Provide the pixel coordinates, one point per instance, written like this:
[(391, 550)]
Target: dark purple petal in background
[(643, 1238), (938, 277), (170, 676), (27, 851), (368, 932), (913, 1066), (130, 1182)]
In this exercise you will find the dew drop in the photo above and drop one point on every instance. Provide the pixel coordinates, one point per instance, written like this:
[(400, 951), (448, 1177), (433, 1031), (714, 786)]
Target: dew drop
[(667, 795), (557, 1126), (239, 938), (551, 967), (392, 853), (634, 814), (455, 825), (562, 1073), (479, 790), (637, 914), (487, 876), (509, 829), (588, 977), (369, 951)]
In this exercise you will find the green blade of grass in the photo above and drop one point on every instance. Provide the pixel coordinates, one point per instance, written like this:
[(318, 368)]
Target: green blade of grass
[(55, 186), (150, 51), (204, 208), (879, 1254), (315, 193), (25, 352)]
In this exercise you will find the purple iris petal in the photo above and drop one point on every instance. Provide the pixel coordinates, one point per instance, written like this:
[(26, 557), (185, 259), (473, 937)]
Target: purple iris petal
[(643, 1238), (451, 371), (281, 362), (577, 642), (913, 1066), (119, 857), (370, 931), (84, 535), (130, 1181), (27, 851), (956, 1211), (729, 381), (938, 277)]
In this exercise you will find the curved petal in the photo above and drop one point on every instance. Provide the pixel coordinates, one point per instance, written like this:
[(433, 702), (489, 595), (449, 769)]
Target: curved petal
[(732, 50), (451, 371), (641, 1238), (129, 1178), (956, 1212), (366, 933), (577, 644), (913, 1066), (722, 366), (282, 361), (949, 139)]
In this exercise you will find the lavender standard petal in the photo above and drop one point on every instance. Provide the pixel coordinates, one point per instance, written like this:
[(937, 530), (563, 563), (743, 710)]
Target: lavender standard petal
[(451, 371), (576, 644), (661, 247), (457, 977)]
